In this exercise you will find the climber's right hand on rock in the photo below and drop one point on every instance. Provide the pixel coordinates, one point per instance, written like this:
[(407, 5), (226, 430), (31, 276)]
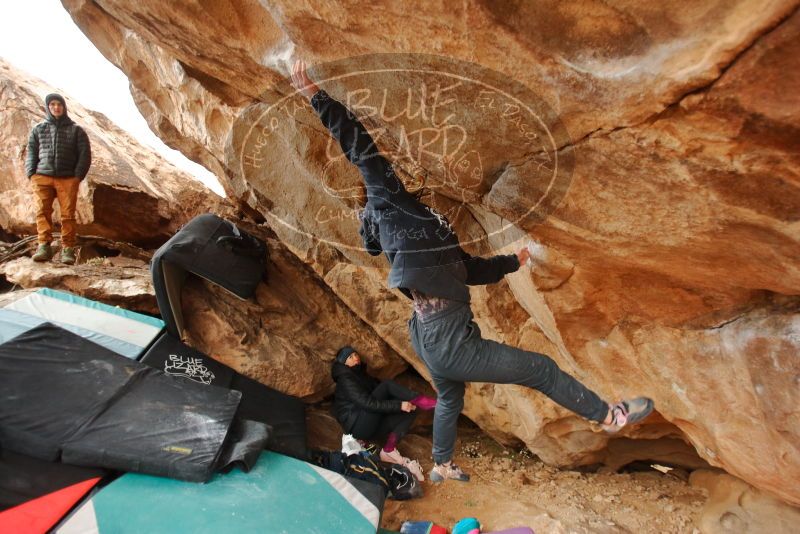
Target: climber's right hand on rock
[(301, 81), (523, 256)]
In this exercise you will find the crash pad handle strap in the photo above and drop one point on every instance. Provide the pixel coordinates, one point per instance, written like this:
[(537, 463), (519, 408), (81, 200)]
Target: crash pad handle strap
[(242, 244)]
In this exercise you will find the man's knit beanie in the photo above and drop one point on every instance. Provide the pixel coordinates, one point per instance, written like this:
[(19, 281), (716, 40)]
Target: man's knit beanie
[(344, 353), (54, 96)]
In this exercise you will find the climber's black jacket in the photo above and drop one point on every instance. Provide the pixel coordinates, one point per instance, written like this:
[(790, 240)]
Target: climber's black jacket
[(419, 243)]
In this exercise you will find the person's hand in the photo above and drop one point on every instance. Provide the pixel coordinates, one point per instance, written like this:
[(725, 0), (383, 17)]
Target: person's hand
[(407, 406), (301, 81), (523, 256)]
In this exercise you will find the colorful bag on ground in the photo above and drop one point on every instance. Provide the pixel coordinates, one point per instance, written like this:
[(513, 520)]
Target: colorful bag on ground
[(421, 527), (468, 525)]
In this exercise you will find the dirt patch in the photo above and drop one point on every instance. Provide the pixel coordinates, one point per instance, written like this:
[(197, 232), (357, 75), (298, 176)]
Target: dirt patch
[(512, 488)]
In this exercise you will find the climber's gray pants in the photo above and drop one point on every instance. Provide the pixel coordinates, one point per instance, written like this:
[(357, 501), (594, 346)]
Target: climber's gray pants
[(450, 344)]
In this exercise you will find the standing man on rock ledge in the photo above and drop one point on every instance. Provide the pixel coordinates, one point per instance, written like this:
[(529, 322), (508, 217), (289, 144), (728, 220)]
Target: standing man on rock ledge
[(59, 156), (429, 266)]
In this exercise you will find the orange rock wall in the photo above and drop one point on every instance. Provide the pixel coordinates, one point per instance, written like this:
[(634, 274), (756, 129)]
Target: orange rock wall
[(673, 241)]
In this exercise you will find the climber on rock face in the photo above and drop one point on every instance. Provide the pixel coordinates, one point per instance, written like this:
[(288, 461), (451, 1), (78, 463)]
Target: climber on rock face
[(430, 268)]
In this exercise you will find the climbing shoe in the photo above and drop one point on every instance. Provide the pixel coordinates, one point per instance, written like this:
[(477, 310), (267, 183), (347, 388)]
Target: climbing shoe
[(43, 253), (442, 472), (628, 412), (415, 469), (394, 457), (68, 255)]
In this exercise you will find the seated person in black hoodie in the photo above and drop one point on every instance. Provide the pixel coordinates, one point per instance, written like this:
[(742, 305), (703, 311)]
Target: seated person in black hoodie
[(369, 409), (429, 267)]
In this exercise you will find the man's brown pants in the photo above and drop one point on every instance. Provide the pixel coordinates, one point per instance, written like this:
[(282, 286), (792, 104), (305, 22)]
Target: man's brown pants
[(48, 189)]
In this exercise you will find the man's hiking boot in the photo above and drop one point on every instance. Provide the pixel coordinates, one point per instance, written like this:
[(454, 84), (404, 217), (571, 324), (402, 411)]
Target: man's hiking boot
[(68, 255), (442, 472), (628, 412), (394, 457), (43, 253)]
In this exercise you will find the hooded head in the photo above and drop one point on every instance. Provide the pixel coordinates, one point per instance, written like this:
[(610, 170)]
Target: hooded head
[(344, 353), (55, 98)]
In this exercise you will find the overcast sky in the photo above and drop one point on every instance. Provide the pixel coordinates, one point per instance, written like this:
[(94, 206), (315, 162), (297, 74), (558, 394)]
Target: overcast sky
[(76, 67)]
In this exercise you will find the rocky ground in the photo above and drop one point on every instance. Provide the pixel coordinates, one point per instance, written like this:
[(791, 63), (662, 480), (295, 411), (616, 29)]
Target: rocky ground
[(511, 488)]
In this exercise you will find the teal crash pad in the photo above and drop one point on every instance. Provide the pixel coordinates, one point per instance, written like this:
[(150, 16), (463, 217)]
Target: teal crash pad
[(279, 495)]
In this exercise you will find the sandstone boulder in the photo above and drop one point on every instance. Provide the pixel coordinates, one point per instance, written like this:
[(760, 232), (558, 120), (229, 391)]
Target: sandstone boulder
[(128, 285), (130, 194), (655, 157), (288, 334), (285, 337), (734, 506)]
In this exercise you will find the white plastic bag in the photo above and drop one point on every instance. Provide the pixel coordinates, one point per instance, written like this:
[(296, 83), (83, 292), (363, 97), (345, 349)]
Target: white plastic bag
[(350, 445)]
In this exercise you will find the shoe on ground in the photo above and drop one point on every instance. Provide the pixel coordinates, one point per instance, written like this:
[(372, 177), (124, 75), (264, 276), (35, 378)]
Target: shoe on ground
[(68, 255), (43, 253), (451, 471), (628, 412), (415, 469), (393, 457)]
